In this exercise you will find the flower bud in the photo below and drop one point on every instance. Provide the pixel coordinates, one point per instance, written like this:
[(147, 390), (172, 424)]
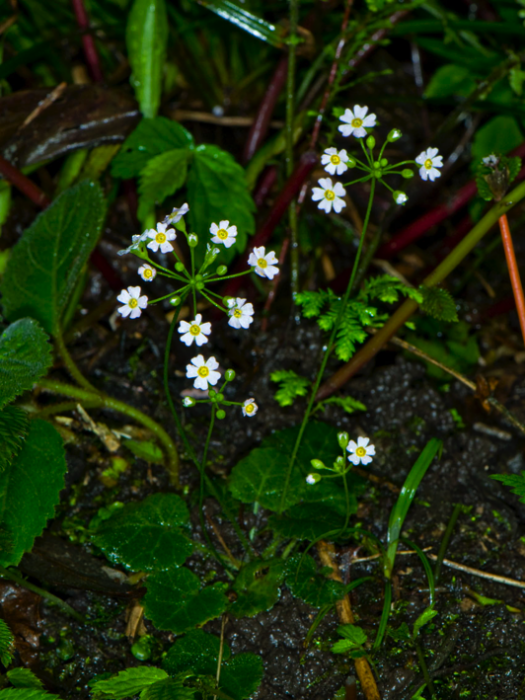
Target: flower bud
[(179, 266), (221, 414), (371, 142), (351, 162), (339, 464), (407, 173), (383, 162), (343, 439), (313, 478), (188, 402), (193, 241), (212, 393), (175, 301), (220, 397), (400, 197), (200, 286), (225, 300), (394, 135), (229, 375), (222, 270), (199, 278), (317, 464)]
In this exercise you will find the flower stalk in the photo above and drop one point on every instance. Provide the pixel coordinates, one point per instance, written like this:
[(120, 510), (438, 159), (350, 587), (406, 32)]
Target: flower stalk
[(515, 279)]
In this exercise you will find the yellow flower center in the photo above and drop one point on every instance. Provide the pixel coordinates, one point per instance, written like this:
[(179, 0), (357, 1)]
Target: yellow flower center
[(222, 234), (148, 273), (133, 303), (360, 452), (329, 194), (160, 237), (195, 329), (335, 160), (428, 163), (203, 371), (237, 313), (357, 122), (262, 263), (249, 408)]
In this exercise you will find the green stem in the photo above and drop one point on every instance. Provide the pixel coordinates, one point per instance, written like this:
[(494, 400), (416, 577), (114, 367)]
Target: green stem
[(102, 401), (290, 104), (17, 578), (73, 370), (328, 351), (446, 538), (424, 669)]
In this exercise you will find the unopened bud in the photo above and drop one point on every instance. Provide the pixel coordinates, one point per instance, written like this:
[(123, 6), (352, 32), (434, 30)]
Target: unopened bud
[(317, 464), (400, 197), (384, 162), (371, 142), (351, 162), (175, 301), (394, 135), (229, 375), (407, 173), (179, 266), (221, 414), (220, 397), (343, 439), (212, 393), (222, 270), (339, 464), (193, 240)]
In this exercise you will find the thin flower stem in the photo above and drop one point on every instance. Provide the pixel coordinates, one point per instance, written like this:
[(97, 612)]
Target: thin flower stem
[(289, 134), (229, 277), (424, 668), (328, 351), (73, 370), (517, 288)]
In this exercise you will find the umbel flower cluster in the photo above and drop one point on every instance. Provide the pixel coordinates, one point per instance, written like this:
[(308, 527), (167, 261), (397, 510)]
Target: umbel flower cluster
[(330, 195), (360, 452), (204, 372)]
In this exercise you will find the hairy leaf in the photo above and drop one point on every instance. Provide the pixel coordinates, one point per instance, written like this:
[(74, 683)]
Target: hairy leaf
[(146, 536), (30, 489), (25, 357), (347, 403), (241, 676), (127, 683), (500, 134), (292, 386), (7, 642), (307, 583), (162, 176), (307, 522), (175, 600), (516, 482), (388, 289), (168, 689), (26, 694), (146, 40), (197, 652), (14, 427), (151, 138), (257, 587), (439, 304), (354, 639), (23, 678), (45, 264), (425, 617)]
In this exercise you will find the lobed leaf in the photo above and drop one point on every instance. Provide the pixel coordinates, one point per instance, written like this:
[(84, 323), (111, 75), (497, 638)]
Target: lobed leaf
[(25, 357), (7, 643), (306, 582), (241, 676), (516, 482), (258, 587), (168, 689), (24, 678), (162, 176), (127, 683), (439, 304), (197, 652), (292, 386)]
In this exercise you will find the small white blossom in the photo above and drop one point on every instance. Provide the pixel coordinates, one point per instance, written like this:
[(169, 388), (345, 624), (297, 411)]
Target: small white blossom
[(188, 402), (490, 161), (334, 161), (194, 331), (264, 264), (147, 272), (362, 452), (133, 302), (400, 197), (135, 240), (176, 215), (329, 195), (241, 313), (203, 372), (429, 162), (313, 479), (160, 238), (249, 408), (223, 233), (356, 122)]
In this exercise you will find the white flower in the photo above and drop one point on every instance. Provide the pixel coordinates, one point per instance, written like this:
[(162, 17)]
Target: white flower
[(188, 402), (133, 302), (135, 240), (240, 313), (313, 478), (223, 233), (203, 372), (176, 214), (147, 272), (330, 195), (264, 264), (360, 453), (249, 408), (429, 162), (400, 197), (356, 121), (334, 161), (194, 331), (160, 238), (490, 161)]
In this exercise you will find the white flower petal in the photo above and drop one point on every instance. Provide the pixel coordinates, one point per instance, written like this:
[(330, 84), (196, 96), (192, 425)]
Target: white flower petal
[(363, 441), (346, 129), (317, 194), (326, 205), (366, 460), (124, 296), (354, 459), (124, 311), (352, 446), (360, 112), (338, 205), (201, 383)]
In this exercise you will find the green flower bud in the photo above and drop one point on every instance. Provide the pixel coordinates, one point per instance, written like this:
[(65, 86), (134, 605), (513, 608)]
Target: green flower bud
[(222, 270), (229, 375), (212, 393), (220, 397), (317, 464), (179, 266), (199, 278), (377, 164), (343, 439), (200, 286), (351, 162), (339, 464), (407, 173), (193, 241), (384, 162), (221, 414), (175, 301), (394, 135), (370, 142)]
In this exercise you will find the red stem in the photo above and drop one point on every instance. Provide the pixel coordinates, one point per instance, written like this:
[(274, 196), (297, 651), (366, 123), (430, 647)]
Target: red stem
[(367, 49), (88, 42), (264, 185), (514, 272)]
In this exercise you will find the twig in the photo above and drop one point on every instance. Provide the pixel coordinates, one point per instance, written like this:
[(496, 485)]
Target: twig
[(90, 50), (187, 115), (481, 574), (24, 184), (289, 143), (221, 651), (44, 104), (514, 272)]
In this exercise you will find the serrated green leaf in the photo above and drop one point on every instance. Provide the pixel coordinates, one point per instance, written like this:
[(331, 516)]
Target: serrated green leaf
[(162, 176), (353, 634), (145, 536), (26, 694), (516, 482), (500, 134), (241, 676), (292, 386), (306, 522), (347, 403), (175, 600), (516, 78), (127, 683), (146, 41), (197, 652), (305, 582), (217, 190), (14, 427), (312, 302), (425, 617), (7, 643), (151, 138), (168, 689), (45, 264), (439, 304), (402, 633), (451, 80), (387, 289), (30, 489), (25, 357), (257, 587), (23, 678)]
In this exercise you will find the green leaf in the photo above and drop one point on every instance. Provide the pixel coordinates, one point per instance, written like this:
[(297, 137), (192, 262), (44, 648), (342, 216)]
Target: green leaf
[(14, 427), (257, 587), (168, 689), (151, 138), (423, 619), (307, 583), (347, 403), (312, 302), (26, 694), (29, 490), (292, 386), (197, 652), (7, 644), (45, 264), (146, 41), (23, 678), (241, 676), (439, 304), (145, 536), (239, 17), (451, 80), (127, 683), (217, 190), (146, 450), (387, 289), (307, 521), (25, 357), (176, 602), (499, 135), (516, 482), (353, 634), (402, 633), (162, 176)]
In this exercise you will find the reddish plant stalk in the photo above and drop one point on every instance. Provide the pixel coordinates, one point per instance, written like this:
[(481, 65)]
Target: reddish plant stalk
[(88, 42), (514, 272), (367, 49), (264, 185)]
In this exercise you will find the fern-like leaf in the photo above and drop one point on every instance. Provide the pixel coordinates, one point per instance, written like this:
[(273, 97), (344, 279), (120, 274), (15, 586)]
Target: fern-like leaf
[(347, 403), (7, 642), (439, 304), (292, 386), (516, 482), (387, 289), (127, 683), (313, 302), (168, 689), (24, 678)]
